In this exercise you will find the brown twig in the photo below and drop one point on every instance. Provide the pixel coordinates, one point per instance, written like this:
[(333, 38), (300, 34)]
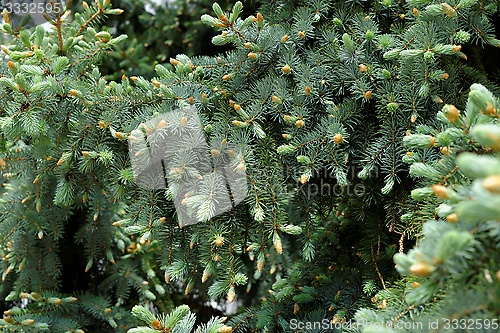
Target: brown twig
[(376, 268), (84, 26), (59, 32)]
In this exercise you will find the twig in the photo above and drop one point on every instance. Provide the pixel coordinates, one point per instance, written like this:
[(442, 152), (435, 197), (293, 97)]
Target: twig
[(59, 33), (84, 26), (376, 268)]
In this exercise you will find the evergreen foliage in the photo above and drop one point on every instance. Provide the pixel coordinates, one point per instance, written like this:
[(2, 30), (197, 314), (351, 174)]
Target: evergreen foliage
[(181, 319), (158, 30), (453, 272), (319, 100)]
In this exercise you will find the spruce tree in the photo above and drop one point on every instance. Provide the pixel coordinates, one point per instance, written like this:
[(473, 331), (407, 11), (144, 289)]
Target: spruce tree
[(320, 105), (158, 30), (452, 277)]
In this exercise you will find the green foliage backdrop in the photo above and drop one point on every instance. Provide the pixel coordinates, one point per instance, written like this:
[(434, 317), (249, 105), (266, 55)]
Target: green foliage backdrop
[(158, 31), (352, 122)]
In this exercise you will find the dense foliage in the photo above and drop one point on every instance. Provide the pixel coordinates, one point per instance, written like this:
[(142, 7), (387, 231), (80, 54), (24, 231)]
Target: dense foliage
[(158, 30), (344, 120)]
